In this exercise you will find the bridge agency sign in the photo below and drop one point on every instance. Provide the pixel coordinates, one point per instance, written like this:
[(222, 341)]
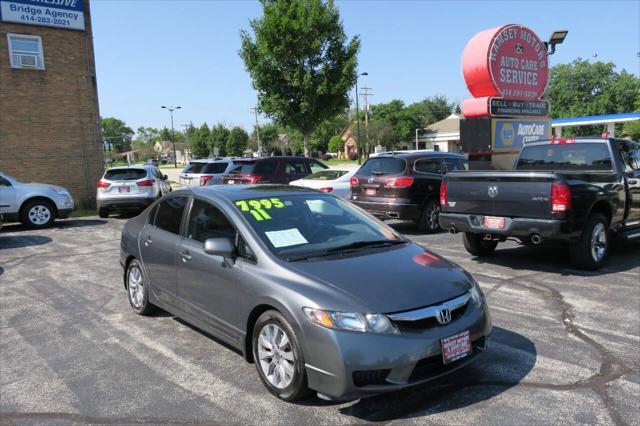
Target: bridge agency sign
[(66, 14)]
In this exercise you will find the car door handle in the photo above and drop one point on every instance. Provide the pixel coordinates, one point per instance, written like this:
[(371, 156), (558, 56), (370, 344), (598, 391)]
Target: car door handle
[(148, 241), (186, 255)]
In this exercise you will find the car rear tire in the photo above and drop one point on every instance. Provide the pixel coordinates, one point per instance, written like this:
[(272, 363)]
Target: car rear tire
[(103, 213), (428, 221), (278, 357), (590, 251), (476, 246), (138, 289), (37, 214)]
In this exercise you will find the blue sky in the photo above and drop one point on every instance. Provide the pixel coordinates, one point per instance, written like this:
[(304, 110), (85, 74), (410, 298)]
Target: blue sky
[(152, 53)]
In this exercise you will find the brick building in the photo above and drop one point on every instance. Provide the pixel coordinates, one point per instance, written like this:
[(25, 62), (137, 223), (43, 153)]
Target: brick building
[(49, 117)]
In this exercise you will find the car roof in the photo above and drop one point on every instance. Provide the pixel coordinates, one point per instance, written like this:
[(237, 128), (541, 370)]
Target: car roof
[(419, 154), (278, 157), (143, 166), (242, 192)]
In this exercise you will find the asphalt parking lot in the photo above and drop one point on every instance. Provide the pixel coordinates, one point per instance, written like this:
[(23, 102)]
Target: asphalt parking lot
[(565, 345)]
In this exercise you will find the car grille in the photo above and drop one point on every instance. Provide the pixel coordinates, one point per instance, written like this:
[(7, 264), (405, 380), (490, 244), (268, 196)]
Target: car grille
[(427, 317), (433, 366)]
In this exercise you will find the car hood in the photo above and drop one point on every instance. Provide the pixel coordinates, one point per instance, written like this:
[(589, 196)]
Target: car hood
[(390, 280), (36, 186)]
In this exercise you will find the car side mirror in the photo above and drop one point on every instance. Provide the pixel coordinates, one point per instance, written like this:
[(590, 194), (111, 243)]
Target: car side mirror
[(219, 247), (165, 177)]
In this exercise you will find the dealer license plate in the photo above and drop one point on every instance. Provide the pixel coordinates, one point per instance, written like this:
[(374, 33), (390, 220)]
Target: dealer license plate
[(123, 189), (456, 347), (493, 222), (370, 191)]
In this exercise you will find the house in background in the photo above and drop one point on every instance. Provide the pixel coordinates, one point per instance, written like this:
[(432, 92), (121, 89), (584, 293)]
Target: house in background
[(443, 135), (350, 146)]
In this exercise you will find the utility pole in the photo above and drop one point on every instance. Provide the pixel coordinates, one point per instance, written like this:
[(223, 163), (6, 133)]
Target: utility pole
[(255, 112), (365, 95), (358, 148), (186, 135), (173, 134)]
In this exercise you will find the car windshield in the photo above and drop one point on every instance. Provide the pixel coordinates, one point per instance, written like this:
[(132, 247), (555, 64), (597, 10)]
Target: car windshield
[(306, 225), (194, 168), (215, 168), (327, 175), (573, 156), (125, 174)]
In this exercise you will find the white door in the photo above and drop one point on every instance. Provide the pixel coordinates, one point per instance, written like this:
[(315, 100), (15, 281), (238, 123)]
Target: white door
[(7, 197)]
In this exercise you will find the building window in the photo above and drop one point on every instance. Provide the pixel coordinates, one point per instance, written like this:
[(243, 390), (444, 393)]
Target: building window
[(25, 51)]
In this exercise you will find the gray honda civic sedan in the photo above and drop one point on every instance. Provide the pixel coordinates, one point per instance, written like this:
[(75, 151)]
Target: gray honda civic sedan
[(318, 293)]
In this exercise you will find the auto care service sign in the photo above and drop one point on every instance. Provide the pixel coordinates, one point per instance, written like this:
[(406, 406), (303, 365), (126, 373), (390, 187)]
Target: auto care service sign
[(507, 63), (67, 14), (508, 134)]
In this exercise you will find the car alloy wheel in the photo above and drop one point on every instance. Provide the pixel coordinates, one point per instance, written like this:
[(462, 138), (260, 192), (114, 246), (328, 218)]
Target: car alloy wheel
[(136, 287), (277, 358), (598, 242), (39, 215)]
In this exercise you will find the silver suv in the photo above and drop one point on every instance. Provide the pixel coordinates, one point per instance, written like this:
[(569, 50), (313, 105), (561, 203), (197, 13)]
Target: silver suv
[(206, 171), (36, 205), (130, 188)]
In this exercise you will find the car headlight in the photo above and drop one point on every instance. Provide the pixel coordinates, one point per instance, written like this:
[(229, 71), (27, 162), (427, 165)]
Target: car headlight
[(351, 321), (476, 294)]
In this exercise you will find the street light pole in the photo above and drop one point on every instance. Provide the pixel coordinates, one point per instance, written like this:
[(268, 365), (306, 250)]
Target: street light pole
[(173, 134), (358, 149)]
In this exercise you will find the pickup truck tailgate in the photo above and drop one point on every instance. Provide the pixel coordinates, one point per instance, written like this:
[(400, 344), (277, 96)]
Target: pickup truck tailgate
[(504, 194)]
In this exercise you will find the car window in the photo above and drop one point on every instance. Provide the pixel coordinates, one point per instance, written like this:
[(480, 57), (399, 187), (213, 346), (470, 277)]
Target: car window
[(215, 168), (574, 156), (265, 167), (629, 155), (243, 167), (455, 164), (158, 174), (169, 214), (244, 250), (327, 175), (296, 167), (4, 182), (636, 155), (317, 166), (194, 168), (428, 165), (207, 221), (125, 174), (383, 166)]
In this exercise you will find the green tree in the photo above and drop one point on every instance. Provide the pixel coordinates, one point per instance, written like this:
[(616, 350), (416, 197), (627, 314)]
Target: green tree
[(218, 138), (591, 88), (116, 132), (237, 141), (326, 130), (147, 135), (336, 144), (269, 137), (199, 142), (437, 108), (301, 62), (381, 133)]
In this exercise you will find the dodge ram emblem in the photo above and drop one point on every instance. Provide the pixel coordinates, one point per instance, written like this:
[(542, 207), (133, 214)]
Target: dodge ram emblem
[(493, 191)]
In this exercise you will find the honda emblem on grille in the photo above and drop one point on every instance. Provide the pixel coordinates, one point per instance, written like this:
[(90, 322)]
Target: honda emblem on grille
[(493, 191), (444, 316)]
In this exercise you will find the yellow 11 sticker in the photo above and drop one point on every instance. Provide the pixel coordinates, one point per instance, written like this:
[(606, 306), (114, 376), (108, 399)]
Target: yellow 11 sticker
[(257, 207)]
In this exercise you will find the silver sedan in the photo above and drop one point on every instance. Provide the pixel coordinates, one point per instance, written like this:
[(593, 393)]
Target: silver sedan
[(319, 294)]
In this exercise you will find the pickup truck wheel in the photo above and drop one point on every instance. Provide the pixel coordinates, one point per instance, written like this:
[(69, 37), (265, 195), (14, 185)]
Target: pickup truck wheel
[(590, 251), (103, 213), (476, 246), (37, 214), (428, 221)]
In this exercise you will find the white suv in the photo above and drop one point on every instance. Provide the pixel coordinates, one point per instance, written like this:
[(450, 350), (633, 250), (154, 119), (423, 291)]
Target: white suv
[(206, 171), (130, 188)]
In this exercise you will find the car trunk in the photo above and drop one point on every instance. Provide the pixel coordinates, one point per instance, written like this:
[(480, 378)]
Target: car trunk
[(504, 194), (376, 180), (242, 173), (127, 183)]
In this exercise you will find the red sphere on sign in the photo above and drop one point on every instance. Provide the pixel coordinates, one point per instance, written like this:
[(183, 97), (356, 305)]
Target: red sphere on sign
[(509, 62)]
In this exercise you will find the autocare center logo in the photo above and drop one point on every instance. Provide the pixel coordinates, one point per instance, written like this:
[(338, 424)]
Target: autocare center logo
[(68, 14), (518, 63)]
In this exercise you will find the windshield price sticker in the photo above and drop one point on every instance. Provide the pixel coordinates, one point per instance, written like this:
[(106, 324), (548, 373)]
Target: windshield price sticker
[(257, 208)]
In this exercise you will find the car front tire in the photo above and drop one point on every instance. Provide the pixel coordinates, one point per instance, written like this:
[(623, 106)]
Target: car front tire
[(138, 289), (103, 213), (37, 214), (477, 246), (590, 251), (278, 357)]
